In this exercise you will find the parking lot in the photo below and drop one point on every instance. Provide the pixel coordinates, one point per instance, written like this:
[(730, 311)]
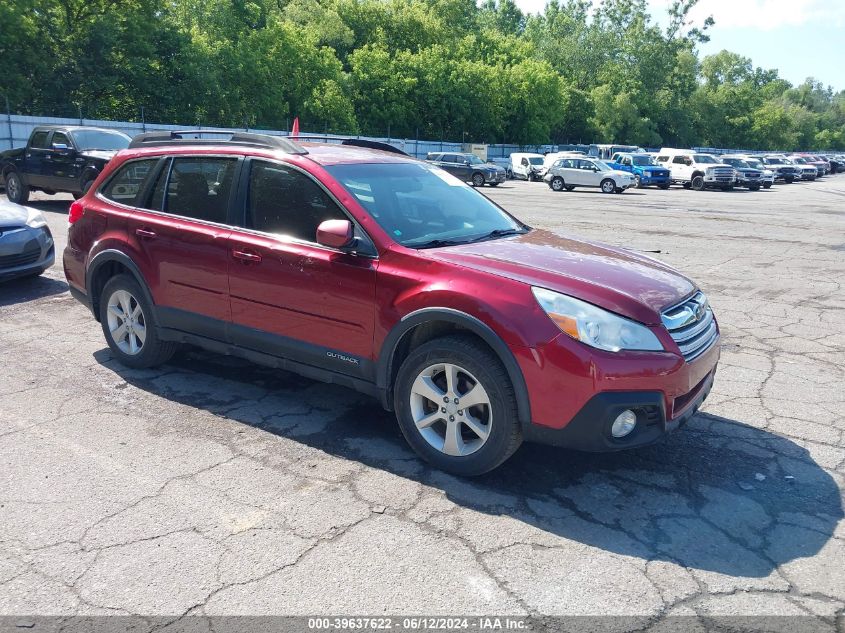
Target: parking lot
[(211, 486)]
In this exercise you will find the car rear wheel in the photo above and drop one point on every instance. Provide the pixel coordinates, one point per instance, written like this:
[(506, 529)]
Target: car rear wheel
[(494, 184), (638, 182), (767, 185), (557, 184), (126, 318), (789, 180), (477, 180), (456, 406), (608, 186), (16, 190), (755, 187), (697, 183)]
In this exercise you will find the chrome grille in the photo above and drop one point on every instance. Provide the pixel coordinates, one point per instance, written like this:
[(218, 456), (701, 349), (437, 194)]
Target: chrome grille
[(691, 325)]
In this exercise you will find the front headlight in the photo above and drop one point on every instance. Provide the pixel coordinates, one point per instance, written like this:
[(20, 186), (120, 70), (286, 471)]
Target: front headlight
[(594, 326), (35, 219)]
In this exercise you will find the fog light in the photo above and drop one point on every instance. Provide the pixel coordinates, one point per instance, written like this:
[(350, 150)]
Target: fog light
[(624, 423)]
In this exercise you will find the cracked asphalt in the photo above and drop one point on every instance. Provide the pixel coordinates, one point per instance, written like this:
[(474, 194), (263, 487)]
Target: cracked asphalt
[(215, 487)]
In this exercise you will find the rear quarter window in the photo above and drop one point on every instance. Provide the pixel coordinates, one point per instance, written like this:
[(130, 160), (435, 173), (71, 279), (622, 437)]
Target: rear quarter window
[(127, 183)]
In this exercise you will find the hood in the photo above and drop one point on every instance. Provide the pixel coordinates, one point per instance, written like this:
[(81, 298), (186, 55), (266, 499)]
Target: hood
[(494, 167), (103, 154), (621, 281), (12, 214), (619, 173)]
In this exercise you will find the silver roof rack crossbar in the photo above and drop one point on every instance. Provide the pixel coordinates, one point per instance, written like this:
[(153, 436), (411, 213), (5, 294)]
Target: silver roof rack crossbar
[(193, 137)]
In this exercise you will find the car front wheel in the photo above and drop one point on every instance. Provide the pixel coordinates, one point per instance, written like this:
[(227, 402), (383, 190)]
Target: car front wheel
[(697, 183), (478, 180), (456, 406), (608, 186), (126, 318), (557, 184)]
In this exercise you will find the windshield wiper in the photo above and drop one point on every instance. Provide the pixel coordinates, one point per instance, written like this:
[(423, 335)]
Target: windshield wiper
[(436, 243), (498, 233)]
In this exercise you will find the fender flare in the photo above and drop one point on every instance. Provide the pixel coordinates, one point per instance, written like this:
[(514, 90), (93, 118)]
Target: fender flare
[(113, 255), (384, 364)]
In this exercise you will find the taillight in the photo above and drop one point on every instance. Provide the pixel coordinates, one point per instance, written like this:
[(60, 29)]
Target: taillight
[(75, 212)]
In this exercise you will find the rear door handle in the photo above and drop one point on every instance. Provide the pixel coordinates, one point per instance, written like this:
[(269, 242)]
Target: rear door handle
[(145, 233), (245, 256)]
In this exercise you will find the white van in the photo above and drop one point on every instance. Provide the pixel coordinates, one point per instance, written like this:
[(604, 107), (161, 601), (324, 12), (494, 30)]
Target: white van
[(526, 166)]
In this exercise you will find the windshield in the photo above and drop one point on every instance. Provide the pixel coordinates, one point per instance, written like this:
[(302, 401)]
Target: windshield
[(704, 158), (100, 139), (536, 160), (602, 166), (753, 162), (417, 203), (797, 160), (736, 162), (776, 161), (642, 160), (473, 159)]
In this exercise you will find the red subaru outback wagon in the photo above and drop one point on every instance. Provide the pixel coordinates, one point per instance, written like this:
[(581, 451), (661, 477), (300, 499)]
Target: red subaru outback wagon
[(370, 269)]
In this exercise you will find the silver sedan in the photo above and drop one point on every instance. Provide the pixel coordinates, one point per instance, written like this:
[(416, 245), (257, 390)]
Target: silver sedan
[(26, 244)]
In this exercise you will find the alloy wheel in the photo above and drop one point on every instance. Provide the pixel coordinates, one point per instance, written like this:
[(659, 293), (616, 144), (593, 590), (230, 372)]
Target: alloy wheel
[(12, 187), (126, 322), (451, 409)]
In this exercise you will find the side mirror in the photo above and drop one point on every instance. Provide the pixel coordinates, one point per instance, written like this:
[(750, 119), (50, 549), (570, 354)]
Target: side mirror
[(335, 233), (61, 147)]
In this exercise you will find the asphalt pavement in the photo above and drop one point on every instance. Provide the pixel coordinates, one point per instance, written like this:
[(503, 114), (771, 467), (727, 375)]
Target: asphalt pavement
[(211, 486)]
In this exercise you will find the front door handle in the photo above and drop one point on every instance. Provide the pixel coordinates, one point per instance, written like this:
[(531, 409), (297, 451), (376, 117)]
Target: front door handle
[(246, 256), (145, 234)]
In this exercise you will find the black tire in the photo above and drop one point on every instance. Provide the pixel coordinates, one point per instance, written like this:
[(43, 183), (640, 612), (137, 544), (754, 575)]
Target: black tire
[(557, 184), (478, 179), (686, 185), (638, 181), (789, 179), (17, 190), (505, 434), (664, 186), (153, 351), (494, 184), (697, 183), (755, 187), (85, 187), (607, 185), (767, 185), (569, 187)]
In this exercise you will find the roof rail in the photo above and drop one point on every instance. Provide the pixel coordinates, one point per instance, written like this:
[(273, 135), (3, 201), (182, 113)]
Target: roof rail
[(352, 142), (250, 139)]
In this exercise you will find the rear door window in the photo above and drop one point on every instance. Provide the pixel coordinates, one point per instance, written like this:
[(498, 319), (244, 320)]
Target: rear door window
[(127, 184), (197, 188), (39, 140)]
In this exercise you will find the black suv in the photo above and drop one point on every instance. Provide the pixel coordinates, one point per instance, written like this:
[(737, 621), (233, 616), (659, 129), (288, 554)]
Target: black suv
[(469, 168)]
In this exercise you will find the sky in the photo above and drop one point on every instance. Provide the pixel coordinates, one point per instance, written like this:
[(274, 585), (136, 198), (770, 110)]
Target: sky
[(799, 38)]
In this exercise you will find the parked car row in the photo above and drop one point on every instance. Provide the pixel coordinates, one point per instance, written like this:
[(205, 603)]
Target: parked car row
[(563, 171)]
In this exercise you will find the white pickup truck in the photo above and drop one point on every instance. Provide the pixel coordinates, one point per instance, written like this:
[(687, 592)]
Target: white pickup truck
[(697, 171)]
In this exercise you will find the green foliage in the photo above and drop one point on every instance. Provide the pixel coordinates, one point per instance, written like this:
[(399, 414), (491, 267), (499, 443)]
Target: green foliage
[(452, 69)]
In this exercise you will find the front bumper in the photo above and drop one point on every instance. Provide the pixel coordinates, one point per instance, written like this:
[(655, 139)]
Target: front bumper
[(25, 251), (590, 430), (576, 392), (497, 177)]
